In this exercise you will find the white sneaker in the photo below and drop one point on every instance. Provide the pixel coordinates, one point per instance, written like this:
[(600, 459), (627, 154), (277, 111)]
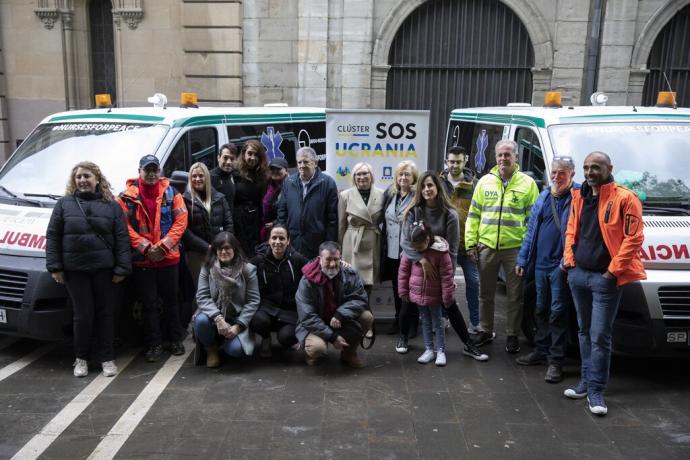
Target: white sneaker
[(109, 368), (426, 357), (472, 329), (446, 323), (81, 368), (440, 358)]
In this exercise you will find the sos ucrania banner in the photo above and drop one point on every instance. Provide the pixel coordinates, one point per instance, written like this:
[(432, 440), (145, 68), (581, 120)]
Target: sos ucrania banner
[(382, 138)]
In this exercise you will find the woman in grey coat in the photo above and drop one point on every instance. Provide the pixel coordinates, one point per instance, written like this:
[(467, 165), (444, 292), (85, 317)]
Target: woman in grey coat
[(228, 297)]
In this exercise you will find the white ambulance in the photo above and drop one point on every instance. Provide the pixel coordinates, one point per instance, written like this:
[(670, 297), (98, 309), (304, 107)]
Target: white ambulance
[(35, 176), (650, 152)]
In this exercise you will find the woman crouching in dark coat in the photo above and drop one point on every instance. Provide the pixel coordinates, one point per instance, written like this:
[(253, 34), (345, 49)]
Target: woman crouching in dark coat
[(88, 250), (279, 269)]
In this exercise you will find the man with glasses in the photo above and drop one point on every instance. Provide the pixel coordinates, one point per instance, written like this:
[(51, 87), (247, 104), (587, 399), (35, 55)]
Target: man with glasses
[(541, 257), (156, 219)]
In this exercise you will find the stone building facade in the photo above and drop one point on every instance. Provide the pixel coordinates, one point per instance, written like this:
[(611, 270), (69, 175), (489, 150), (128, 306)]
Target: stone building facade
[(333, 53)]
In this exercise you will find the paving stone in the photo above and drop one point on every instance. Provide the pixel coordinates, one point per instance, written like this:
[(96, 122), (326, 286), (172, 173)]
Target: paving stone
[(440, 440), (435, 405)]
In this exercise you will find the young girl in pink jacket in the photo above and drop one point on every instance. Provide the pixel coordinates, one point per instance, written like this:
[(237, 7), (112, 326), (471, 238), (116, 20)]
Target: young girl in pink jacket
[(430, 295)]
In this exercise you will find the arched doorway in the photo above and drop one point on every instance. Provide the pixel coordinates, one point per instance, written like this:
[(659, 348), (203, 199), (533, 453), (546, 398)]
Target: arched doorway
[(458, 53), (670, 54)]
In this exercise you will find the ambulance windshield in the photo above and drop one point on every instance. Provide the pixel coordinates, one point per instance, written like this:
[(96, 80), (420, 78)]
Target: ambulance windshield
[(652, 159), (43, 162)]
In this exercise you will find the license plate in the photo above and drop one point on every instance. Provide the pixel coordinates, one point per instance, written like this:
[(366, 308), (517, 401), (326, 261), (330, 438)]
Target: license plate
[(3, 315), (677, 337)]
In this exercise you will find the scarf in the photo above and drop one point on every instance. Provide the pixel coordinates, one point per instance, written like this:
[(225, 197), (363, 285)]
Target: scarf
[(312, 271), (149, 195), (227, 280)]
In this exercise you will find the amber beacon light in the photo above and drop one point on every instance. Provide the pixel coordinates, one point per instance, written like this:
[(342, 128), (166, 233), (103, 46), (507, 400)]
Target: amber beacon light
[(552, 99), (103, 101), (666, 99), (189, 100)]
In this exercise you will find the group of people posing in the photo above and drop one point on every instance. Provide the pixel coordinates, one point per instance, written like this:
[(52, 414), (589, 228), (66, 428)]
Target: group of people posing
[(287, 254)]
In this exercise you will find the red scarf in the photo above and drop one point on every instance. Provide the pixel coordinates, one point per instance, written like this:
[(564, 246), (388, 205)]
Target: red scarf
[(312, 271), (149, 196)]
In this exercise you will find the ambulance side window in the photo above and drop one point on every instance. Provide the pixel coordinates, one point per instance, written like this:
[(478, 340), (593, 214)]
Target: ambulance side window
[(479, 140), (199, 144), (530, 153), (204, 146)]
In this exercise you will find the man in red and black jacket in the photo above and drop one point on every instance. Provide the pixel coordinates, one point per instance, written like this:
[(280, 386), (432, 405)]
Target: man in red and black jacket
[(156, 219)]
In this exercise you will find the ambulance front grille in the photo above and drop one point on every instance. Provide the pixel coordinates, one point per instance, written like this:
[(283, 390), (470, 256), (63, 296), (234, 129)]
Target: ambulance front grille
[(12, 285), (675, 302)]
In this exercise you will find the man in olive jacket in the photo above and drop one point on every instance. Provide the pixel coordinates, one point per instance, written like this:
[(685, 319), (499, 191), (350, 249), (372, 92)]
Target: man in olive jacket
[(332, 308)]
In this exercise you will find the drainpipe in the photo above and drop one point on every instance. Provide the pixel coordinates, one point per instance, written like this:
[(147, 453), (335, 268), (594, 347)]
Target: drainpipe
[(596, 24)]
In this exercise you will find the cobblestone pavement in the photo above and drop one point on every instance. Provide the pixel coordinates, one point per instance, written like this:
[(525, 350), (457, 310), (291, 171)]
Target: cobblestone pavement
[(280, 408)]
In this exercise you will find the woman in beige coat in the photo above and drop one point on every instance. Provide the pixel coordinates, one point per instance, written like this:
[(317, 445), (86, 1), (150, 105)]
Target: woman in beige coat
[(360, 213)]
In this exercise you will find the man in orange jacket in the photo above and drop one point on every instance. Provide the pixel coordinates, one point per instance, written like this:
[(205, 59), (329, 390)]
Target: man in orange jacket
[(156, 219), (601, 254)]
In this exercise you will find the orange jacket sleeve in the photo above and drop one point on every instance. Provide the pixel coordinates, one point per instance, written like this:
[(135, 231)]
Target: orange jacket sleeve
[(571, 231), (179, 212), (633, 235), (137, 241)]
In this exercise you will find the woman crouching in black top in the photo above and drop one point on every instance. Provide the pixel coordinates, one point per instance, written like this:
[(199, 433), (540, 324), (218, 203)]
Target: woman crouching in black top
[(279, 269)]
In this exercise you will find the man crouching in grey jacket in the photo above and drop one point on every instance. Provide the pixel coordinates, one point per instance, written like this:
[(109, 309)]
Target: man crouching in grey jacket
[(332, 307)]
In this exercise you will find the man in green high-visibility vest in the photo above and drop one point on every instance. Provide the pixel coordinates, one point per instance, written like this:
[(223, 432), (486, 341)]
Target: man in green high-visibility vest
[(496, 225)]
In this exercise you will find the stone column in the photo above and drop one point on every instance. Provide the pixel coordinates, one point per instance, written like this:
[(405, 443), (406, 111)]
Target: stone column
[(379, 77), (68, 55), (5, 147), (617, 41), (572, 19), (357, 43), (312, 52)]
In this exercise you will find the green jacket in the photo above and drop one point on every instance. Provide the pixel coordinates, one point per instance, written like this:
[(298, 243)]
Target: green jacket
[(460, 197), (498, 215)]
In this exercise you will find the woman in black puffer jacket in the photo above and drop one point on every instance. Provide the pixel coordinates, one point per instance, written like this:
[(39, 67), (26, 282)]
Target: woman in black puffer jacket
[(208, 214), (88, 250), (279, 270)]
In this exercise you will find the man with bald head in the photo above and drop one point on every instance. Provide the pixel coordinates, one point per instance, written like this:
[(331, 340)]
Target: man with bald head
[(601, 254)]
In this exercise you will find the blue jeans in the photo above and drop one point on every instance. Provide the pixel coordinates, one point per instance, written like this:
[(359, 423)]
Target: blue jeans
[(431, 317), (596, 302), (553, 300), (206, 332), (471, 274)]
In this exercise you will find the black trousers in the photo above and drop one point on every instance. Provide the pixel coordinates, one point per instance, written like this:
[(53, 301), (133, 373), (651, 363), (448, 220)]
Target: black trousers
[(392, 266), (152, 283), (94, 299), (263, 324)]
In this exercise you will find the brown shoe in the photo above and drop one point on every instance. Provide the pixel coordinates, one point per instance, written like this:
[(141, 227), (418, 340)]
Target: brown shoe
[(212, 358), (350, 358)]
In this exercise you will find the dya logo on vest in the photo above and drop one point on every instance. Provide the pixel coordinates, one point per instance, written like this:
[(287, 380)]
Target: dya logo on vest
[(491, 194)]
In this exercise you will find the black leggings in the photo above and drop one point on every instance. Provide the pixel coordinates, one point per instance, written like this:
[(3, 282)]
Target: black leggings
[(263, 324), (94, 301), (458, 322), (408, 314)]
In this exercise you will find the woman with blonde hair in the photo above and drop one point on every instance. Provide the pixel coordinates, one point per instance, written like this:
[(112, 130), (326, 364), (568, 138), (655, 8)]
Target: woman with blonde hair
[(208, 214), (360, 212), (397, 198), (88, 250)]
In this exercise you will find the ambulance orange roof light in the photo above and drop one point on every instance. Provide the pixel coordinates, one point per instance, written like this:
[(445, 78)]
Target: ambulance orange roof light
[(666, 99), (189, 100), (103, 101), (552, 99)]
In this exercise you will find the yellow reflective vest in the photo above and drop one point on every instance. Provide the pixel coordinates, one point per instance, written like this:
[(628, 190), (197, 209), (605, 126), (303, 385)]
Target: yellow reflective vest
[(499, 214)]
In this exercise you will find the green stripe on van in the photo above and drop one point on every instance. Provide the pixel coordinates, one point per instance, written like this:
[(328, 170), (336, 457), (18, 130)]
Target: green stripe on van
[(109, 116), (248, 119), (521, 120), (628, 116)]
